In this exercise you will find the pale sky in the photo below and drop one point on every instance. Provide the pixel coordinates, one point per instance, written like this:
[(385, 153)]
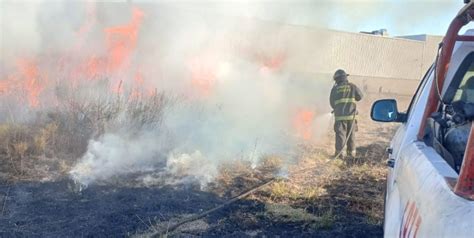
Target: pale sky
[(399, 17), (402, 17)]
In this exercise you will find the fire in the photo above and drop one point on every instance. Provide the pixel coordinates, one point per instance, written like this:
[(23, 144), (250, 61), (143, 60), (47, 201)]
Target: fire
[(303, 123), (122, 40), (94, 67), (86, 27), (76, 66), (275, 62), (270, 63), (203, 77), (137, 86), (27, 82), (3, 86)]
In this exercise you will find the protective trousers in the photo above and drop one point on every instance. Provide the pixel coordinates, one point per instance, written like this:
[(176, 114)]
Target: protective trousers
[(343, 132)]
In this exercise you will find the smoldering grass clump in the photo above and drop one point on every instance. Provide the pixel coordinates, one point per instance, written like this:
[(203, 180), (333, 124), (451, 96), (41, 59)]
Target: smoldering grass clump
[(270, 165), (231, 174), (238, 175)]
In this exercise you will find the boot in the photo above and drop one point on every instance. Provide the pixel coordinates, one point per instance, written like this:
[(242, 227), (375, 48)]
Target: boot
[(352, 154), (341, 156)]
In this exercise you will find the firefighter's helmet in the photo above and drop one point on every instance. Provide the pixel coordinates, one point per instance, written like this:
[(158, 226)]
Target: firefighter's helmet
[(339, 74)]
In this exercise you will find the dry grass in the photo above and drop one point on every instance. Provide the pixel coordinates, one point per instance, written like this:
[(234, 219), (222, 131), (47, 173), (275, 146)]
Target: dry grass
[(331, 194), (334, 196), (50, 142), (338, 191), (288, 214), (281, 190), (236, 176), (270, 165)]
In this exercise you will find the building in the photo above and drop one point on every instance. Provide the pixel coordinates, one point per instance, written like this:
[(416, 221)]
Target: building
[(377, 63)]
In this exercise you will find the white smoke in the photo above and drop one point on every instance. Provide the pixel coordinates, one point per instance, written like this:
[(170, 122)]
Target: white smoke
[(247, 110), (114, 154), (244, 119), (193, 166)]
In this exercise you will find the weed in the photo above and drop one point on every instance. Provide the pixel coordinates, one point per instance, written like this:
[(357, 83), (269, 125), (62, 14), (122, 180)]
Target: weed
[(286, 213), (326, 220), (313, 193), (270, 164), (56, 137), (282, 190)]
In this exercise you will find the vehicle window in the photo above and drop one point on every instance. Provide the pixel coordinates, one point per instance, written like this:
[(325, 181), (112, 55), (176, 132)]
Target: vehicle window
[(419, 90), (461, 86), (465, 90)]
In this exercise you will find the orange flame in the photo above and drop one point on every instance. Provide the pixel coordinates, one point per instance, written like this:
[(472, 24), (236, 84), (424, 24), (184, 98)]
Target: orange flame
[(138, 85), (275, 62), (29, 81), (303, 123), (94, 67), (270, 63), (121, 41), (3, 86), (33, 84), (203, 77)]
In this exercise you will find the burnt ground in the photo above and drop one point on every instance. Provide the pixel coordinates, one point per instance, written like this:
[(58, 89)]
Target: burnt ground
[(353, 199), (320, 198), (52, 209)]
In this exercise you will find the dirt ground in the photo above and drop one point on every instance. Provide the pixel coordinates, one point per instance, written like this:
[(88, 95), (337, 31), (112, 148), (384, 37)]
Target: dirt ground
[(319, 198)]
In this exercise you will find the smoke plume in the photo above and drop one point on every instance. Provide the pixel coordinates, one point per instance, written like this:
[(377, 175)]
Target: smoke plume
[(168, 89)]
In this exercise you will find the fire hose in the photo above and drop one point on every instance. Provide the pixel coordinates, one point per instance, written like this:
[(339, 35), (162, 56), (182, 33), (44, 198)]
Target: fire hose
[(205, 213), (173, 227)]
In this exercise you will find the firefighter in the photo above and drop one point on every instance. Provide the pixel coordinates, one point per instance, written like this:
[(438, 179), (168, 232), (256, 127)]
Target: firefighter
[(343, 98)]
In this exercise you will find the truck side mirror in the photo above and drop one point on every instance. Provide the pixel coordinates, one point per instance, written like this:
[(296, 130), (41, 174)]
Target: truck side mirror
[(386, 110)]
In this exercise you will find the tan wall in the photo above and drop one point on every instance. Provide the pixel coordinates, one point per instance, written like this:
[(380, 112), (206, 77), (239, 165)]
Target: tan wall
[(375, 56), (394, 64), (369, 55), (429, 53), (384, 86), (389, 65)]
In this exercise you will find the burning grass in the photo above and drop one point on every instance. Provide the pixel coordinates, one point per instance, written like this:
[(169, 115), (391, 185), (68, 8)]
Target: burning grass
[(47, 145), (90, 110), (320, 196)]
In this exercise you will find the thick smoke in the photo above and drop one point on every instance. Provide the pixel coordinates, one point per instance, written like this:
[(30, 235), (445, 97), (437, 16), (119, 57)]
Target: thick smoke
[(238, 80), (235, 91)]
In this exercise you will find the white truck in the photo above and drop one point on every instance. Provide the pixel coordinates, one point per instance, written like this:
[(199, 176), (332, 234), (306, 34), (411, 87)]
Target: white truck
[(430, 182)]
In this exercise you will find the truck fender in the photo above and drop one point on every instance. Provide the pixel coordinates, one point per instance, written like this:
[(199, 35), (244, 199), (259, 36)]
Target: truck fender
[(393, 213)]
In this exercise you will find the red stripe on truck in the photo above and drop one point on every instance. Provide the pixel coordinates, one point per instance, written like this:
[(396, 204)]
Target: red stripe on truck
[(465, 184), (411, 221)]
